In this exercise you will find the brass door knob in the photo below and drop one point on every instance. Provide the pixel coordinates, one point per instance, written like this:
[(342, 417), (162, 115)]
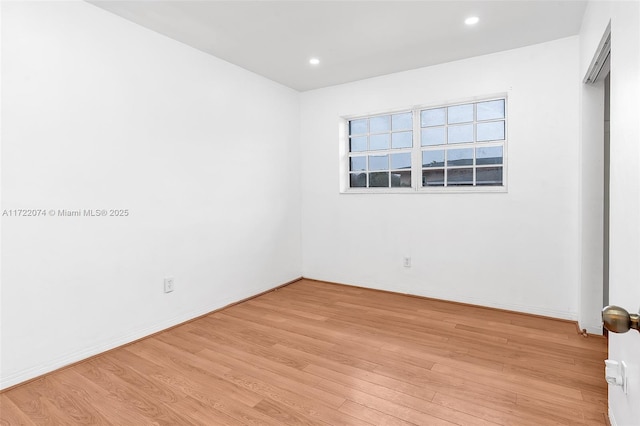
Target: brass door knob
[(618, 320)]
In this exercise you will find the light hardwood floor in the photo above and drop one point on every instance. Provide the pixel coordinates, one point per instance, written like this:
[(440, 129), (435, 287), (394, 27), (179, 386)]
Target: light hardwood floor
[(319, 353)]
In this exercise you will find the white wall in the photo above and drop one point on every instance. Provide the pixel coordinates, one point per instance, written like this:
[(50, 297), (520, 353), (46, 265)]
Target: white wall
[(624, 275), (520, 249), (99, 113)]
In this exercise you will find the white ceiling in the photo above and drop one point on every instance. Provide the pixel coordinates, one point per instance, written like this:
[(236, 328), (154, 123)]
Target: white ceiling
[(353, 39)]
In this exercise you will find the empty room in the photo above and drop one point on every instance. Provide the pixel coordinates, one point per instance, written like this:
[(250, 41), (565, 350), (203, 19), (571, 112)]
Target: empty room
[(320, 212)]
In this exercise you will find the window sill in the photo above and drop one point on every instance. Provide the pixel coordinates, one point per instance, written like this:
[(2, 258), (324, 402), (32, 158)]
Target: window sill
[(440, 190)]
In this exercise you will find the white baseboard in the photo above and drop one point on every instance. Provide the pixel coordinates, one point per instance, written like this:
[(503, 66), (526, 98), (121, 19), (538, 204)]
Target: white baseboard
[(527, 309), (73, 357)]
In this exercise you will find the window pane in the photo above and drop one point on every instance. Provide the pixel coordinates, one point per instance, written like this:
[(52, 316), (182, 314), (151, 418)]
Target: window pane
[(378, 162), (460, 157), (489, 176), (432, 117), (433, 178), (459, 177), (493, 131), (432, 136), (358, 144), (489, 155), (460, 113), (490, 110), (401, 179), (460, 134), (402, 140), (402, 121), (401, 161), (357, 163), (378, 179), (358, 180), (379, 141), (380, 124), (433, 158), (358, 127)]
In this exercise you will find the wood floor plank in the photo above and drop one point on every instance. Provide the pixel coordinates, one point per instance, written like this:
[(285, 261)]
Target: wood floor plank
[(370, 415), (112, 405), (502, 414), (314, 353), (36, 407), (269, 370), (292, 383), (387, 407), (552, 411), (204, 377), (74, 402), (135, 398), (12, 414), (203, 413), (203, 386), (25, 401), (283, 415)]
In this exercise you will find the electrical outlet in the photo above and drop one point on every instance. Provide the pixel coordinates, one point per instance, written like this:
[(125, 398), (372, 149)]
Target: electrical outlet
[(168, 285), (616, 374), (406, 262)]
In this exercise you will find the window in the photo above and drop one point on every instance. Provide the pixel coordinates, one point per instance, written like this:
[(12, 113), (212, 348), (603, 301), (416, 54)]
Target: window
[(435, 148), (380, 151)]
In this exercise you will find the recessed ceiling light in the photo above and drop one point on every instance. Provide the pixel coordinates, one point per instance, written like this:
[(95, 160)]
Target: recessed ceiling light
[(314, 61), (472, 20)]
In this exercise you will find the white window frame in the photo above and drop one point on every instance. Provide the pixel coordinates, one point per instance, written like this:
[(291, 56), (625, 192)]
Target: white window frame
[(416, 152)]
